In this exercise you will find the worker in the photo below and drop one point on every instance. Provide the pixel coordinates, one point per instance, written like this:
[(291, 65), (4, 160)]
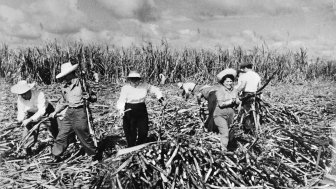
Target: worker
[(72, 113), (227, 99), (249, 81), (188, 88), (131, 106), (248, 84), (32, 105), (162, 78)]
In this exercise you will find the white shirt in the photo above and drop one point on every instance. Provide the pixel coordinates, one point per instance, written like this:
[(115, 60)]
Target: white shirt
[(37, 104), (188, 87), (133, 95), (252, 80)]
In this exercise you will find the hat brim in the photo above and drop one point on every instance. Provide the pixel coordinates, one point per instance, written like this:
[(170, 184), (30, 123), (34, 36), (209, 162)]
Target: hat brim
[(21, 89), (62, 74), (226, 72)]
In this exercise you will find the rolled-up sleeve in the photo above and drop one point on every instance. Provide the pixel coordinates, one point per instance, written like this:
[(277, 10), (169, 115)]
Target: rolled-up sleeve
[(223, 98), (156, 91), (62, 102), (21, 112), (42, 104), (239, 82), (122, 99), (242, 81)]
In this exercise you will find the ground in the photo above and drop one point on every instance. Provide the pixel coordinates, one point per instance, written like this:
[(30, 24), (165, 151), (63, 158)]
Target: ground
[(313, 104)]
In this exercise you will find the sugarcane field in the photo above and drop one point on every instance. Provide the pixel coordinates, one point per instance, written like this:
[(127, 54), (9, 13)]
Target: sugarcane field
[(286, 140), (167, 94)]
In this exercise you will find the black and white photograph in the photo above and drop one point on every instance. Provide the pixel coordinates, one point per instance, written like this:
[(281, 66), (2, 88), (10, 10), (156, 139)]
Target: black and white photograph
[(168, 94)]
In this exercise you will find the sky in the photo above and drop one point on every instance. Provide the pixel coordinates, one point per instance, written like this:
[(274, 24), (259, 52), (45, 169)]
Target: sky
[(208, 24)]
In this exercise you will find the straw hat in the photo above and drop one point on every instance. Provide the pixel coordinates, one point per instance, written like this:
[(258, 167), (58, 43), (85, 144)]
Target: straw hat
[(22, 87), (228, 71), (66, 68), (134, 74)]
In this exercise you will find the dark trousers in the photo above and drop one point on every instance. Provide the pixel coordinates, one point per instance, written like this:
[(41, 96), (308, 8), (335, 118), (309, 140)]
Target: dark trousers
[(135, 124), (50, 124), (74, 122), (248, 101), (212, 103), (248, 104)]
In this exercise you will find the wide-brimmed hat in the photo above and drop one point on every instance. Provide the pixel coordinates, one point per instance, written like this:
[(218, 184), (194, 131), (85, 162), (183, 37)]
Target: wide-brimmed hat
[(22, 87), (228, 71), (134, 74), (245, 64), (66, 68)]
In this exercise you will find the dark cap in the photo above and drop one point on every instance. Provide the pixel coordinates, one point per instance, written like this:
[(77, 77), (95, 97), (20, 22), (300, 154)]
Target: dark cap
[(246, 64)]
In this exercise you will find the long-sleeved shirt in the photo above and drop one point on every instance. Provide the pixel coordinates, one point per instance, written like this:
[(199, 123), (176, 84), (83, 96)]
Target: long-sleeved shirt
[(252, 80), (188, 87), (72, 96), (36, 104), (138, 94), (72, 93), (223, 95)]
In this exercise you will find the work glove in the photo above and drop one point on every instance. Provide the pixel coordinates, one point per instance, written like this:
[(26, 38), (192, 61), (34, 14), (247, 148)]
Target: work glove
[(52, 115), (26, 122), (237, 101)]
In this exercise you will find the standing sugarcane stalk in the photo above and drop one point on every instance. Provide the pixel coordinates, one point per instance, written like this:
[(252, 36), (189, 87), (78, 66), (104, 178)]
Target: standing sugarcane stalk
[(256, 116), (85, 90)]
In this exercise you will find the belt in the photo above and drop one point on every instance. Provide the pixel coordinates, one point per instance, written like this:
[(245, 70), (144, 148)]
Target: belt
[(246, 92), (77, 107)]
